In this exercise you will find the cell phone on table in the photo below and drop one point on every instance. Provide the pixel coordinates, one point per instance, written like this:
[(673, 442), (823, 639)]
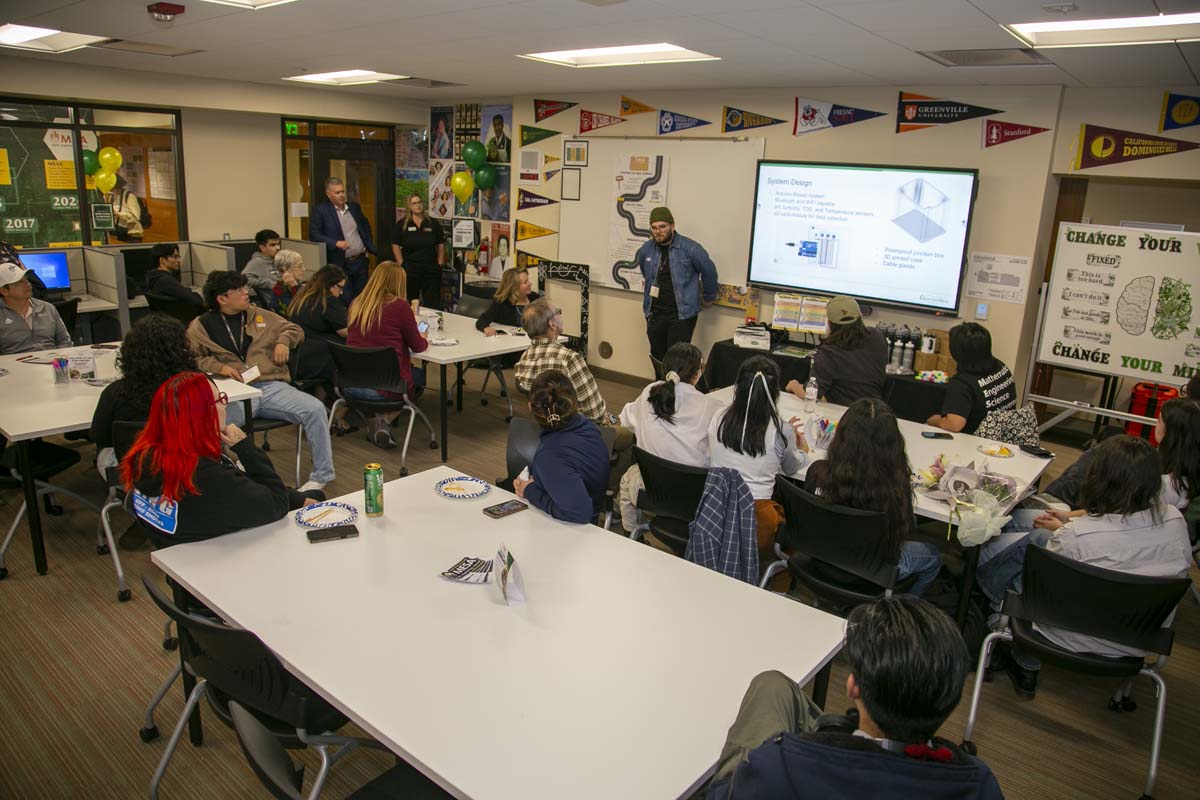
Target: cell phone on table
[(936, 435), (422, 326), (501, 332), (332, 534), (106, 347), (1035, 451), (504, 509)]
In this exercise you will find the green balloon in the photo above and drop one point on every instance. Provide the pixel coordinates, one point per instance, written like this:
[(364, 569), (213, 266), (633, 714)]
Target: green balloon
[(91, 162), (474, 154), (485, 176)]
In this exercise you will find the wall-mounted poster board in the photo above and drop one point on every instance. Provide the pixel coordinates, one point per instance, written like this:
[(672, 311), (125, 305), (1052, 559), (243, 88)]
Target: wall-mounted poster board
[(1124, 302)]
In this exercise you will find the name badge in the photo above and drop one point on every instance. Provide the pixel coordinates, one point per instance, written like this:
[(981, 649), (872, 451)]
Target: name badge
[(251, 374), (654, 291), (412, 227)]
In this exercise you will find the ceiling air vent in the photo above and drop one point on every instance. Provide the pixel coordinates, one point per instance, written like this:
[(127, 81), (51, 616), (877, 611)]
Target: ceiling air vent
[(999, 57), (145, 48)]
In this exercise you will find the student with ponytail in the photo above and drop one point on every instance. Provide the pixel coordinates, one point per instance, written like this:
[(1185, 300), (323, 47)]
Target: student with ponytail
[(749, 436)]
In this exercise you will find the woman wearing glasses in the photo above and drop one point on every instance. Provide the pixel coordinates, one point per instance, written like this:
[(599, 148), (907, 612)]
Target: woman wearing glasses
[(184, 488)]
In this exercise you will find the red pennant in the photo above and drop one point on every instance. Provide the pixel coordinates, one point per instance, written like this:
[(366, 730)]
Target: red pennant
[(999, 132), (1101, 147), (593, 120), (542, 109)]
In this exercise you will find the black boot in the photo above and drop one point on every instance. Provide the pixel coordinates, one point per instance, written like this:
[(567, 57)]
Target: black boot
[(1022, 669)]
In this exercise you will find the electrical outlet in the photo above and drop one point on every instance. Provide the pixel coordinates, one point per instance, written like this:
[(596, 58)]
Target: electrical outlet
[(981, 311), (225, 236)]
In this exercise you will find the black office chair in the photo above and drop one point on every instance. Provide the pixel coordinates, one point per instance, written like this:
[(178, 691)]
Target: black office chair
[(48, 461), (172, 307), (68, 311), (233, 665), (659, 372), (672, 494), (523, 437), (840, 553), (1126, 609), (375, 368), (472, 306)]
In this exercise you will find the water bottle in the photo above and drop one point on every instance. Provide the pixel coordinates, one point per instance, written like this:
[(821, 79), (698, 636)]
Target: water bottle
[(810, 396), (897, 354), (909, 350)]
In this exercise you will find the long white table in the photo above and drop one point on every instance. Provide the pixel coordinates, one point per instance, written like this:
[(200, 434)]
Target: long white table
[(472, 345), (32, 405), (618, 677)]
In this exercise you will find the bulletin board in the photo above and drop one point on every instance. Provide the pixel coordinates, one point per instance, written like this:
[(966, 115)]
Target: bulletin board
[(707, 184)]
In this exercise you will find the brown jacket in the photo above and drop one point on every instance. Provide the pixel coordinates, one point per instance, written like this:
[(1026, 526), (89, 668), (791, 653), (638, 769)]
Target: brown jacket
[(264, 329)]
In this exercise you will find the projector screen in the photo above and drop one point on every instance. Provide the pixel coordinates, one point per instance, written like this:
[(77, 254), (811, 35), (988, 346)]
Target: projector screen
[(886, 234)]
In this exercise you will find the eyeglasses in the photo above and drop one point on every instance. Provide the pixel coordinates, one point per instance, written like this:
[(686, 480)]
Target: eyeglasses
[(239, 290), (221, 399)]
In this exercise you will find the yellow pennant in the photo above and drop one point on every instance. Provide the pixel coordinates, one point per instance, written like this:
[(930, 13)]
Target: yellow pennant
[(527, 230), (631, 106)]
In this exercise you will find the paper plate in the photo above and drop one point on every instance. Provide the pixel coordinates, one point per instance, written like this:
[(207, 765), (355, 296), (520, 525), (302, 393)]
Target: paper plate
[(326, 515), (462, 487), (996, 450)]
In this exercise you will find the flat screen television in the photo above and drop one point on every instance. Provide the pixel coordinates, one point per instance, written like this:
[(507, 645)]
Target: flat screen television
[(888, 235), (51, 268)]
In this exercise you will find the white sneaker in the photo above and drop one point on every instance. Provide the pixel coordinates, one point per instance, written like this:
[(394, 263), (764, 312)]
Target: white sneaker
[(309, 486)]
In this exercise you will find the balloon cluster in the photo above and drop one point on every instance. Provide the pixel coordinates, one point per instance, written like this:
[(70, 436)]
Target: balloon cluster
[(103, 167), (463, 183)]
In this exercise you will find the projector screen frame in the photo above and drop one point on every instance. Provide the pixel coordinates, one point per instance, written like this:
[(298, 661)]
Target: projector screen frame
[(866, 299)]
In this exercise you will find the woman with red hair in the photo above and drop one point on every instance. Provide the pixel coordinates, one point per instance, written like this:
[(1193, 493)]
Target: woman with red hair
[(184, 489)]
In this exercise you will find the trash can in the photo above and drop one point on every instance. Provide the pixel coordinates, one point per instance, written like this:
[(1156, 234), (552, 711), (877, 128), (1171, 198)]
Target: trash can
[(1147, 399)]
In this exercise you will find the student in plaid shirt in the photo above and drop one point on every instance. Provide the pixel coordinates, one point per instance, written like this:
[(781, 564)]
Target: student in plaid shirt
[(543, 322)]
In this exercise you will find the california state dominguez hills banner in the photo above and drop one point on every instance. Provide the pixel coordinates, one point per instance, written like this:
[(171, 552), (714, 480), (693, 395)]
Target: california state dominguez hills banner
[(916, 111), (1103, 147)]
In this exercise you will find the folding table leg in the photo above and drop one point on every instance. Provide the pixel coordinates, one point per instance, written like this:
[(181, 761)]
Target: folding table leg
[(445, 398)]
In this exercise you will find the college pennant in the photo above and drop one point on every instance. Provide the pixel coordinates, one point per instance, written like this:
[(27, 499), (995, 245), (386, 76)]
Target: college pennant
[(594, 120), (547, 175), (999, 132), (629, 107), (916, 111), (1179, 111), (544, 109), (548, 159), (1102, 147), (817, 115), (527, 199), (670, 122), (530, 134), (527, 230), (737, 119)]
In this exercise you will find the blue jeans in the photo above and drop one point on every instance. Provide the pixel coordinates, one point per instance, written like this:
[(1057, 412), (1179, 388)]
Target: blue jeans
[(1003, 570), (364, 393), (922, 559), (356, 278), (283, 401)]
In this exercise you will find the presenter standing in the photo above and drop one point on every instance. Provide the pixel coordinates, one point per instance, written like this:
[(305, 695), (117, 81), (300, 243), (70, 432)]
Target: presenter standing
[(679, 279)]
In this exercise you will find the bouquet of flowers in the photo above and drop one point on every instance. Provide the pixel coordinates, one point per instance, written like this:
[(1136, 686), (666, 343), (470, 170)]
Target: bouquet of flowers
[(975, 496)]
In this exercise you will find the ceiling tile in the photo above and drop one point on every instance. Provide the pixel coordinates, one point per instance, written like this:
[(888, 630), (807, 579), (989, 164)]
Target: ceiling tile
[(1009, 11), (798, 19), (883, 16), (1134, 65), (975, 38)]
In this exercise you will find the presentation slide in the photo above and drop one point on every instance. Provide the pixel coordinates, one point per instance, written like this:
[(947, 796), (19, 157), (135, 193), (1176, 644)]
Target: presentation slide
[(889, 234), (50, 267)]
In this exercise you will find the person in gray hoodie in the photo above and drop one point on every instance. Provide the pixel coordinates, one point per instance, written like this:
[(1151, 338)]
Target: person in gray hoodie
[(261, 274)]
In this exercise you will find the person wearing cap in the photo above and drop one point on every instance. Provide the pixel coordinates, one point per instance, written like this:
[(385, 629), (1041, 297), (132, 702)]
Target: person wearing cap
[(9, 253), (673, 297), (851, 361), (26, 323)]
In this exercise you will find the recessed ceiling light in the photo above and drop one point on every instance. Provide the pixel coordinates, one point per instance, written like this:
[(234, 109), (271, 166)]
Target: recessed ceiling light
[(347, 77), (44, 40), (1159, 29), (623, 56), (253, 5)]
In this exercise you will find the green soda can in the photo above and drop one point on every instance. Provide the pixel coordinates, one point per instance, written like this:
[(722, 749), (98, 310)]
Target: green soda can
[(373, 489)]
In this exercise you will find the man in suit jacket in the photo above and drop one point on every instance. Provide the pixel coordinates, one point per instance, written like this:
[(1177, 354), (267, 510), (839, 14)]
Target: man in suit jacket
[(346, 234)]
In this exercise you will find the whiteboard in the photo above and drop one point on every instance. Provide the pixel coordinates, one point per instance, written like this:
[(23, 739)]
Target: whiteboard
[(1124, 301), (710, 191)]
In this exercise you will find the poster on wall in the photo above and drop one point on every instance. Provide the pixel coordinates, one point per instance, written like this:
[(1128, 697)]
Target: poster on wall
[(408, 183), (998, 278), (1178, 111), (529, 168), (493, 201), (1103, 147), (467, 126), (640, 185), (496, 133), (1124, 301), (441, 129), (501, 251), (441, 199), (916, 111), (817, 115)]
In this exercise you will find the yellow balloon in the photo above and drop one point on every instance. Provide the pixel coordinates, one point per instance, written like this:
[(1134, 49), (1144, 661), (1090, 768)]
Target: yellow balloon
[(105, 181), (110, 159), (463, 185)]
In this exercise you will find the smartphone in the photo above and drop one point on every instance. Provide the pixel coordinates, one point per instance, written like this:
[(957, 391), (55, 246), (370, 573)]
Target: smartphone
[(501, 332), (330, 534), (106, 346), (422, 326), (936, 435), (1036, 452), (504, 509)]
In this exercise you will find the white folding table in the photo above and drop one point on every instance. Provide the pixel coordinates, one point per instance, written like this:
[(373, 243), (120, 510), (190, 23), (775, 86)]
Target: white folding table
[(32, 405), (618, 677), (472, 345)]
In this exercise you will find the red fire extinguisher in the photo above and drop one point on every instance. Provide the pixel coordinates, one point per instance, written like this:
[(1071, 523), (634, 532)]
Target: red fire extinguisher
[(484, 259)]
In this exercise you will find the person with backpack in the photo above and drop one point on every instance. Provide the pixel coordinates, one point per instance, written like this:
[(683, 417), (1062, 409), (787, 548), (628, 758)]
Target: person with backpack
[(129, 213)]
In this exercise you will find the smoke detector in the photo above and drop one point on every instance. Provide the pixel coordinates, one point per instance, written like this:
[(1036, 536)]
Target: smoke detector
[(165, 12)]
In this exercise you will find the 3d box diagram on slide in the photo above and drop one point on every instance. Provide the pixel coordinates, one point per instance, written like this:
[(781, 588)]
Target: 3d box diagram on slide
[(921, 210), (819, 248)]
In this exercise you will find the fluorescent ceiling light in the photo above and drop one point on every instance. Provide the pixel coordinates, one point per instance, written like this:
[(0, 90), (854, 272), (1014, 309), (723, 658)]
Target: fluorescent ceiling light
[(253, 5), (624, 56), (44, 40), (1159, 29), (347, 77)]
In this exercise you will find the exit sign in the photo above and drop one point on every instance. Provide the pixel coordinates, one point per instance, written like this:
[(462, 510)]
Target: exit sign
[(292, 128)]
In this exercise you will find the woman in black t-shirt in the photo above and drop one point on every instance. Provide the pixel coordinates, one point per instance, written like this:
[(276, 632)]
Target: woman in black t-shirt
[(418, 247), (983, 383)]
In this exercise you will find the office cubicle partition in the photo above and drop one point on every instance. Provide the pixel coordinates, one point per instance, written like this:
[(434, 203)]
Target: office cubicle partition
[(104, 271), (207, 258), (312, 253)]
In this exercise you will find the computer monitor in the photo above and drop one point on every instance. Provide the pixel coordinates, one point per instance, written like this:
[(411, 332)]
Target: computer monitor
[(51, 268)]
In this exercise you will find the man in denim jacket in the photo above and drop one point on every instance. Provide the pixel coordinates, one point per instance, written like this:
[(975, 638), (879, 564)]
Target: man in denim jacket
[(671, 298)]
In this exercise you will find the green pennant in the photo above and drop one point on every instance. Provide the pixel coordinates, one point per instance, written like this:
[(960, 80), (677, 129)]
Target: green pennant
[(530, 134)]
